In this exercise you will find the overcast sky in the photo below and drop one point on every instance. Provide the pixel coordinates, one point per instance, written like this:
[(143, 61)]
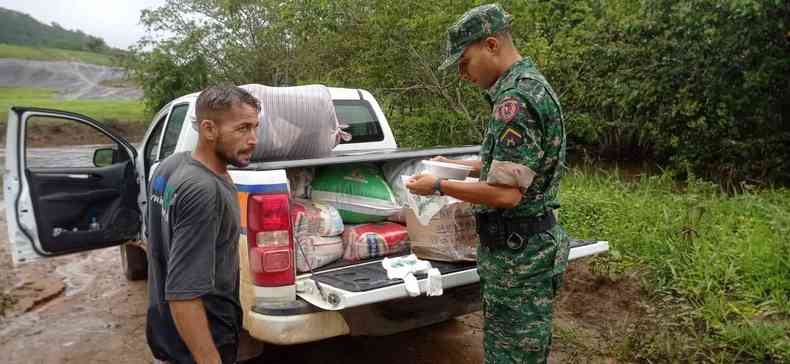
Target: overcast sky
[(116, 21)]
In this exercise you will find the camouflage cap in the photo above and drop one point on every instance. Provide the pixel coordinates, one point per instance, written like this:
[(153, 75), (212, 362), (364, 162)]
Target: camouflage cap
[(475, 24)]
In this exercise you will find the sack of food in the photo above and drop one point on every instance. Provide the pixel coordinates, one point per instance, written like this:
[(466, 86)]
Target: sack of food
[(374, 240), (315, 219), (451, 234), (315, 252), (359, 192)]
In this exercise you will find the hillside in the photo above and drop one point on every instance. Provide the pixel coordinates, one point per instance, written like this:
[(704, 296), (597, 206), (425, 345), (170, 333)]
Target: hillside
[(54, 54), (21, 29)]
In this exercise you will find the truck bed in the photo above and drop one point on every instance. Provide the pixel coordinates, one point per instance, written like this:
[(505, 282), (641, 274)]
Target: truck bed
[(370, 274), (366, 283), (343, 284)]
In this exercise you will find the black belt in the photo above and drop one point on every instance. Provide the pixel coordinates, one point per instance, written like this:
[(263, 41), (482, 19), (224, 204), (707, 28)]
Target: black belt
[(496, 230)]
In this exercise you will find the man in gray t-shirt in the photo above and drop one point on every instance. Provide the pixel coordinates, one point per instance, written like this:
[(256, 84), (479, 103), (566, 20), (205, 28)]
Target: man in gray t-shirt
[(194, 315)]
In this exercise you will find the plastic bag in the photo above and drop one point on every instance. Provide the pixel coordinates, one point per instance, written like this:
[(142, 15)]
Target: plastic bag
[(318, 251), (315, 219), (398, 172), (451, 234), (374, 240), (424, 207), (359, 192), (393, 171), (299, 180)]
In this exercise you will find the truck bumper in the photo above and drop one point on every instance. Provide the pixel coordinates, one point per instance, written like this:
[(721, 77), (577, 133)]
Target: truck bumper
[(297, 328), (299, 322)]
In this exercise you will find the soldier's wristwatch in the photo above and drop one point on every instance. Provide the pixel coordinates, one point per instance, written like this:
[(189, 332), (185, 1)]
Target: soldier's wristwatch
[(437, 186)]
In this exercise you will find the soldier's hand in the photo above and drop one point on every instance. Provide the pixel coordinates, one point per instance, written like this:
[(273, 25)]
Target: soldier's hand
[(441, 158), (421, 184)]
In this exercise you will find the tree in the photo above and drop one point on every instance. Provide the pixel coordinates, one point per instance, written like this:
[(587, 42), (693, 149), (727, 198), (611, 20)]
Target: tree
[(700, 85)]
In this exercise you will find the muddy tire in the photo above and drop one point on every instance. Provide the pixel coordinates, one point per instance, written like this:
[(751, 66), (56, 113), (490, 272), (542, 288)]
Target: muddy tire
[(134, 261)]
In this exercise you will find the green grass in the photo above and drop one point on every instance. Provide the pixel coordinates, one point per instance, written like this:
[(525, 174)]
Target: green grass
[(101, 110), (724, 260), (53, 54)]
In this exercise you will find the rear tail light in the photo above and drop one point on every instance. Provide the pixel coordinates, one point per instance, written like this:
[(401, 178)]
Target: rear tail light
[(270, 240)]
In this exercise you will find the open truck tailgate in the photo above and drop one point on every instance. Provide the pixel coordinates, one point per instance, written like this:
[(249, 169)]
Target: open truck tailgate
[(367, 282)]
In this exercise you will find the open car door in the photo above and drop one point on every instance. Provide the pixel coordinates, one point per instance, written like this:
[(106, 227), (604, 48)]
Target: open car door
[(70, 184)]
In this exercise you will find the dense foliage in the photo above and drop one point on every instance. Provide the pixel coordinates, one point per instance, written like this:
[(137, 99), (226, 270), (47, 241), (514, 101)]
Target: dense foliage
[(701, 85), (22, 29)]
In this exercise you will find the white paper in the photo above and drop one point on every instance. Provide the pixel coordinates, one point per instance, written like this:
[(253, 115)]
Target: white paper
[(434, 283)]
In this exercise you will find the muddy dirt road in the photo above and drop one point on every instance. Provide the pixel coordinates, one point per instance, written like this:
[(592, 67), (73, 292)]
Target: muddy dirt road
[(80, 309)]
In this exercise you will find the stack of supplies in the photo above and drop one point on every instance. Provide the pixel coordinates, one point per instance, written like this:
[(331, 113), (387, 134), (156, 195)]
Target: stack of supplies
[(316, 229)]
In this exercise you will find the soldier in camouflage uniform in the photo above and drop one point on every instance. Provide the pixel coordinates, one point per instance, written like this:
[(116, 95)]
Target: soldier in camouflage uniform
[(523, 251)]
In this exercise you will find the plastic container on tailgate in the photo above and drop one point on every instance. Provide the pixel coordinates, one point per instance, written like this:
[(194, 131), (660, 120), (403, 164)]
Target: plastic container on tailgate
[(374, 240)]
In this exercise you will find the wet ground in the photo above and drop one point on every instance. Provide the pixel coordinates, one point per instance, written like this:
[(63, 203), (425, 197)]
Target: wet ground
[(81, 309), (86, 312)]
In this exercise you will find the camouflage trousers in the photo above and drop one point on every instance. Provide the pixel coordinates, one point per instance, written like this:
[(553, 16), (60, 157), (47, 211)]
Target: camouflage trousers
[(518, 290)]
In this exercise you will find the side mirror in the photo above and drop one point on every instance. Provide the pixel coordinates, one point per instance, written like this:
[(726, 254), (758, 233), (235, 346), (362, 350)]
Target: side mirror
[(103, 157)]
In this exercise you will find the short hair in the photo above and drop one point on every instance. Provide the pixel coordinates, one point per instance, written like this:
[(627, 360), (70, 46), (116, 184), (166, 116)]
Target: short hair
[(218, 99), (503, 36)]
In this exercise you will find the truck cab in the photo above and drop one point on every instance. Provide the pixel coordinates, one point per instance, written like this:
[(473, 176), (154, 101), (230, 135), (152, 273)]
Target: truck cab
[(99, 201)]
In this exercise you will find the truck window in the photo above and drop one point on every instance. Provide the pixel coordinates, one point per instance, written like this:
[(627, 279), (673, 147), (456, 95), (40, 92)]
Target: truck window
[(56, 142), (359, 116), (173, 129), (153, 140)]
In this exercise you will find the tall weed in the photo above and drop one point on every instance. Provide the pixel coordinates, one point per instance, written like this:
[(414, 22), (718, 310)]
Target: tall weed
[(727, 256)]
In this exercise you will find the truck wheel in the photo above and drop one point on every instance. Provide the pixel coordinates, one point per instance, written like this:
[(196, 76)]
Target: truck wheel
[(135, 263)]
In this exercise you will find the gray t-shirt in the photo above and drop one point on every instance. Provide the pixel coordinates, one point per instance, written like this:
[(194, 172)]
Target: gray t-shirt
[(193, 237)]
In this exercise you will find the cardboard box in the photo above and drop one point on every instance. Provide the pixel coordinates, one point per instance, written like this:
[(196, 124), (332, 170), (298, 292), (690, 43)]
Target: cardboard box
[(450, 236)]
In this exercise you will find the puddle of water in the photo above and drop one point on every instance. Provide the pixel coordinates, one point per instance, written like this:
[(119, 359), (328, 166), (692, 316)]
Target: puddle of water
[(80, 272)]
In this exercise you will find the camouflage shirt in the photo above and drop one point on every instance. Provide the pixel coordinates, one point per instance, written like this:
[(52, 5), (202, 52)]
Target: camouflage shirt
[(526, 127)]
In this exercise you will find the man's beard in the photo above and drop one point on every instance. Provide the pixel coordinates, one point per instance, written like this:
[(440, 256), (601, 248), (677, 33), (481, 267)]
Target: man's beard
[(227, 156)]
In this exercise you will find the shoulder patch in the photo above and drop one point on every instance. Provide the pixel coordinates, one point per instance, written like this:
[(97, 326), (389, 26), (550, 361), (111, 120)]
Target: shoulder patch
[(511, 137), (507, 110)]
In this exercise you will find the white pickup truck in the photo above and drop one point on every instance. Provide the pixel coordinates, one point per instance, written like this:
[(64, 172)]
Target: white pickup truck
[(58, 209)]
